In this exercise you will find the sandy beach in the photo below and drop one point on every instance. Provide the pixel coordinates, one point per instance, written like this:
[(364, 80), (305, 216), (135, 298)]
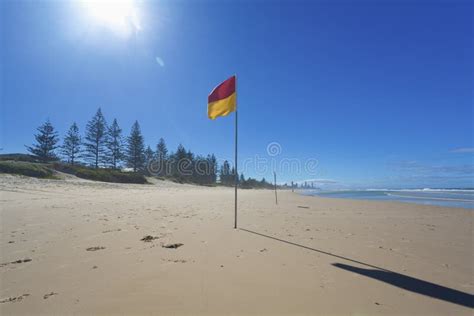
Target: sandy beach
[(73, 246)]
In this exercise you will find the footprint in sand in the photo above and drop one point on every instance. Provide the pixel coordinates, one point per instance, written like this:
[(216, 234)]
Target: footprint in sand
[(175, 260), (95, 248), (15, 262), (46, 296), (14, 299), (112, 230)]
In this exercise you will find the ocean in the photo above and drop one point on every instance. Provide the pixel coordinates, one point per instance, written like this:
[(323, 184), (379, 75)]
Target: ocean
[(439, 197)]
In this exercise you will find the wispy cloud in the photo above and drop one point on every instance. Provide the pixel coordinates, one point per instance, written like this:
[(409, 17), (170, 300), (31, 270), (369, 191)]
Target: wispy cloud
[(462, 150), (160, 61), (419, 169), (416, 174)]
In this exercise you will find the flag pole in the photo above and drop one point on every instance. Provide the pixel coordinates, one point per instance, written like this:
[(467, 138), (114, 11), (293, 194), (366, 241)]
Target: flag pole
[(236, 173), (275, 181)]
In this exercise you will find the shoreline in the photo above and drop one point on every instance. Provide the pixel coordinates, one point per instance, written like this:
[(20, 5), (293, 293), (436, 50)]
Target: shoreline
[(406, 199), (389, 202)]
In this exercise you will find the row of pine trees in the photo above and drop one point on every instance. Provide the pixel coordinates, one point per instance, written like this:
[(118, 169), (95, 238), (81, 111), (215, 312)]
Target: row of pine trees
[(104, 146), (101, 146)]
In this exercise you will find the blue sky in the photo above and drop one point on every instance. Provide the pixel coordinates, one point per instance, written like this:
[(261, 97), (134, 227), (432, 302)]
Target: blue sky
[(380, 94)]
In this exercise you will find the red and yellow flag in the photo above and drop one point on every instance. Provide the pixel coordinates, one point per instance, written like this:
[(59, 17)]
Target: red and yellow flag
[(222, 100)]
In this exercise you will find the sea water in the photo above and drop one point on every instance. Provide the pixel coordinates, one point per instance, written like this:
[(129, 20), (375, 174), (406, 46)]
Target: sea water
[(439, 197)]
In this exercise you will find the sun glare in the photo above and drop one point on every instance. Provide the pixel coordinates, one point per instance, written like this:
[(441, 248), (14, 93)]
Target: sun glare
[(120, 16)]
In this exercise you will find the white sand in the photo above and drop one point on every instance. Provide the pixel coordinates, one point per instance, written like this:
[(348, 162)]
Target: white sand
[(220, 270)]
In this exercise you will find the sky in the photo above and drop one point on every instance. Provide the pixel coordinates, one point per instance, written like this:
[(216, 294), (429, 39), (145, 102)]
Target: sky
[(348, 94)]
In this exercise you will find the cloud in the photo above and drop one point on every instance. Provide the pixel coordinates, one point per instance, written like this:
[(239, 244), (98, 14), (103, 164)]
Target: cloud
[(462, 150), (160, 61), (415, 168)]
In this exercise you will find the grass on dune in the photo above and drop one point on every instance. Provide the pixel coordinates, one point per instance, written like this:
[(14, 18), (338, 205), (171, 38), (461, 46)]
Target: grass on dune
[(29, 169), (41, 170), (100, 174)]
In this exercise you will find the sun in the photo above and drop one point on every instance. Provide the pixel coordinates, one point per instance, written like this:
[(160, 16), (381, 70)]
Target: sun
[(119, 16)]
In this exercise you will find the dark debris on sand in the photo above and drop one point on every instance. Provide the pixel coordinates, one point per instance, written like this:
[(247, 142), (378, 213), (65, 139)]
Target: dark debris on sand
[(172, 246), (148, 238)]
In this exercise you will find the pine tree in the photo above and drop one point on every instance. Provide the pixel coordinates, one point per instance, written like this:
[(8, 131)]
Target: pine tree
[(212, 169), (242, 181), (200, 170), (114, 144), (179, 162), (135, 149), (161, 149), (162, 156), (188, 166), (149, 157), (149, 154), (95, 139), (233, 176), (225, 175), (46, 141), (71, 147)]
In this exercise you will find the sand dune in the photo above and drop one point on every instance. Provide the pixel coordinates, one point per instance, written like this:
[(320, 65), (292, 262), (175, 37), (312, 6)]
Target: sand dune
[(79, 247)]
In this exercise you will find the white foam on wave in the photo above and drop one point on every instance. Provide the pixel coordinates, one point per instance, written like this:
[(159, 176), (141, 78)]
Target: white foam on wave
[(423, 190), (430, 198)]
